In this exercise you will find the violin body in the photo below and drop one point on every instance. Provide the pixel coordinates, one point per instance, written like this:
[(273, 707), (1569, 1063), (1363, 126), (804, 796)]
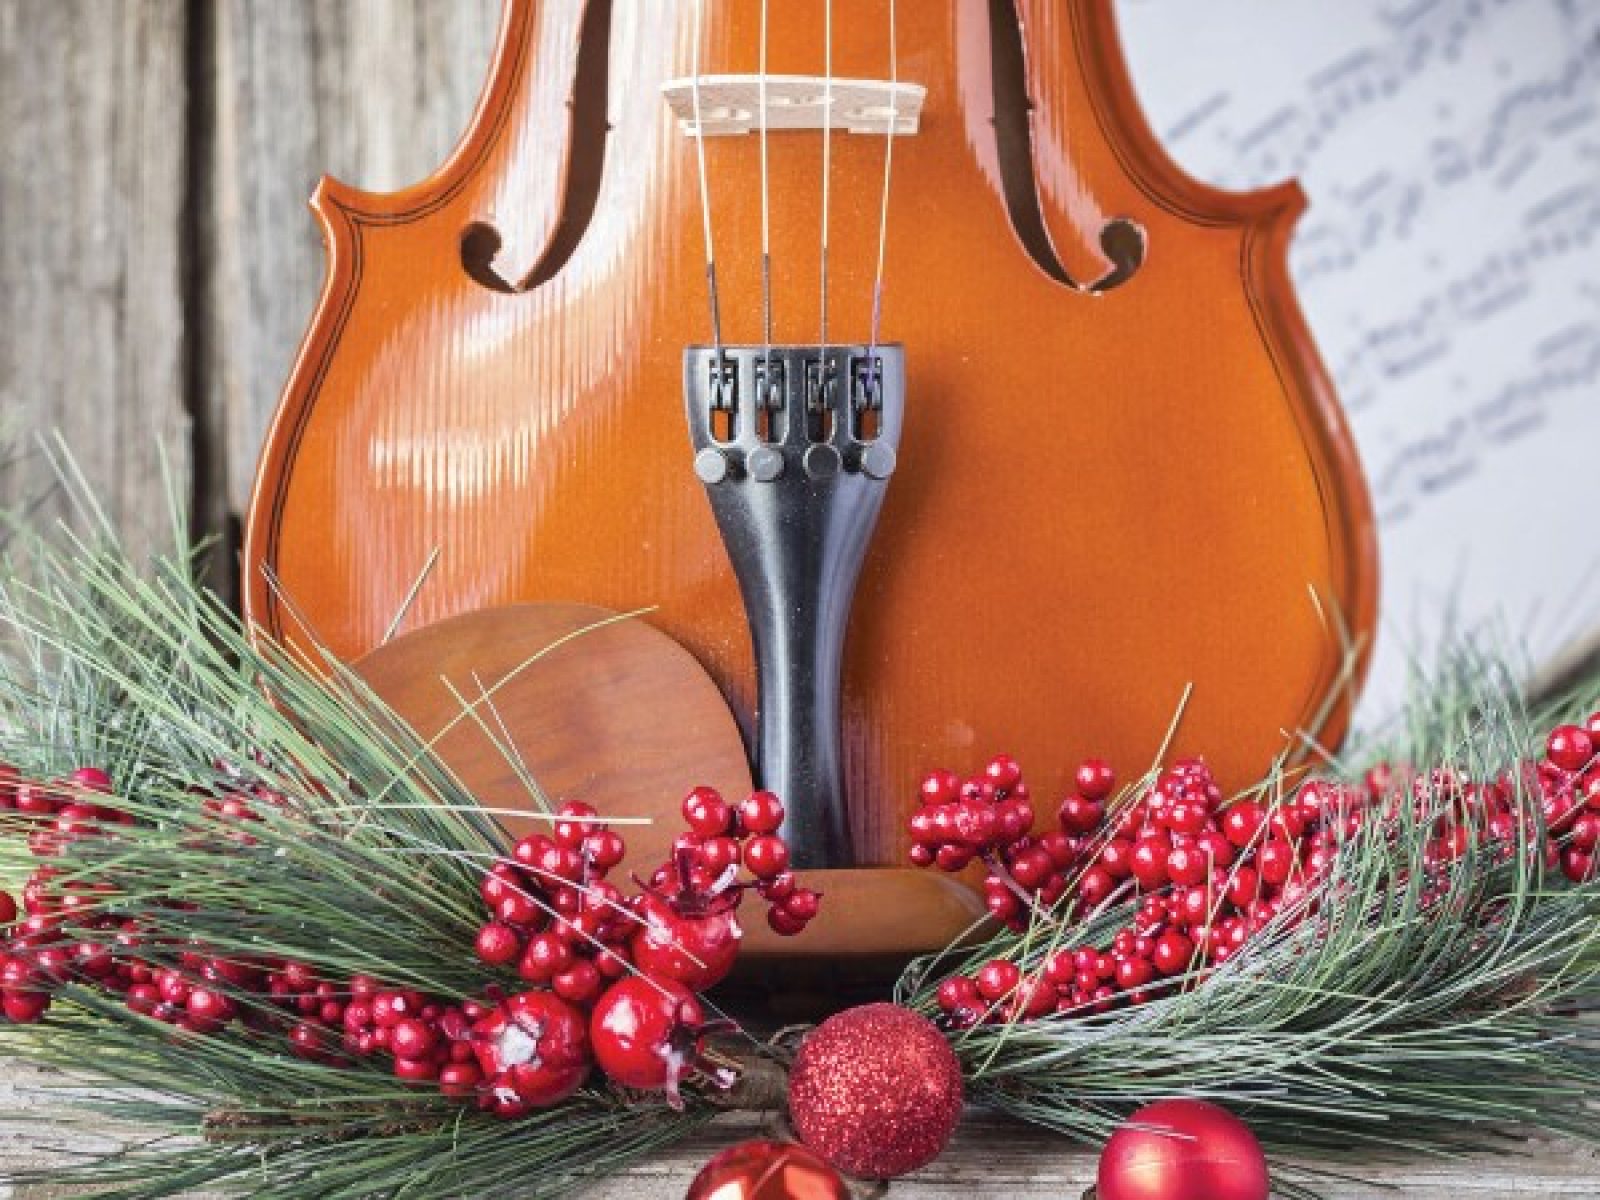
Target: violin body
[(1121, 472)]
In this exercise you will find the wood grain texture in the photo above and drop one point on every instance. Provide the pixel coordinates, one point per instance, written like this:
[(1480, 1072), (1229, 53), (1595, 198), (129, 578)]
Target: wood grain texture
[(93, 105), (372, 92), (990, 1159)]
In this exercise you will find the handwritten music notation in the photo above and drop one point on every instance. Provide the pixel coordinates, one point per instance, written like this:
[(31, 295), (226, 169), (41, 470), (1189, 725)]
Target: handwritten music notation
[(1448, 267)]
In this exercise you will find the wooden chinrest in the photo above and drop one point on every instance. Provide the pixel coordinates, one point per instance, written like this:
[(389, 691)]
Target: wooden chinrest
[(608, 709)]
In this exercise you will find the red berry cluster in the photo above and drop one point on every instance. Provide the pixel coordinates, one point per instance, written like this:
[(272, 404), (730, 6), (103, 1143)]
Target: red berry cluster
[(615, 977), (1211, 876), (63, 927), (628, 968), (989, 819)]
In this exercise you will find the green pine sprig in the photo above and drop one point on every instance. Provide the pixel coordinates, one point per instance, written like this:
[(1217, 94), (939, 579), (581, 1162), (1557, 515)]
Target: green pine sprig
[(1377, 1017), (371, 866)]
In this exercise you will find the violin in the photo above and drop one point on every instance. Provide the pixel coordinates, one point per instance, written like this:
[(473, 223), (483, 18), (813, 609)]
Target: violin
[(877, 348)]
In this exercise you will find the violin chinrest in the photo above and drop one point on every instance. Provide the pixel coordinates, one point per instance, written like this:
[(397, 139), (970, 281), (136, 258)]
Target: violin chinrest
[(608, 709)]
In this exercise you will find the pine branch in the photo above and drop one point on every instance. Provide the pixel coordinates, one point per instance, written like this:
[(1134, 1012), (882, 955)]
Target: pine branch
[(1378, 1015), (364, 857)]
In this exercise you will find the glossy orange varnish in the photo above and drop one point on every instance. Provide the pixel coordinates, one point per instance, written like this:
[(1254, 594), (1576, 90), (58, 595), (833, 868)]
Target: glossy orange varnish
[(1100, 499)]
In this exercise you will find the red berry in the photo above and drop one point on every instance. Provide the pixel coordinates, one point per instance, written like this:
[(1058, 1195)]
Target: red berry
[(1095, 778), (766, 856), (1003, 772), (546, 954), (1079, 814), (305, 1041), (1244, 885), (1570, 747), (1586, 831), (391, 1007), (1116, 857), (413, 1038), (706, 813), (8, 908), (1577, 865), (1095, 886), (1187, 866), (1275, 861), (580, 823), (498, 944), (1216, 848), (998, 978), (959, 992), (416, 1070), (24, 1008), (579, 984), (760, 812), (209, 1010), (720, 853), (604, 849), (1014, 820), (803, 905), (777, 889), (782, 924), (977, 824), (1032, 868), (1134, 972), (1149, 860), (460, 1080), (1242, 821), (940, 787), (1172, 953)]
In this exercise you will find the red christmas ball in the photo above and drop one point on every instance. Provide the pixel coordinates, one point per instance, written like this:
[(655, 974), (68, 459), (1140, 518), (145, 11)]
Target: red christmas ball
[(1182, 1150), (876, 1091), (767, 1171)]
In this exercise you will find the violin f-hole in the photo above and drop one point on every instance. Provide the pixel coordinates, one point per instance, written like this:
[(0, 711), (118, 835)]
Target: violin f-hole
[(481, 242), (1122, 240)]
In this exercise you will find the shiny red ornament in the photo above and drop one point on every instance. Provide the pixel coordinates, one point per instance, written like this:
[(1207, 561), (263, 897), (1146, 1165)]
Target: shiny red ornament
[(1182, 1150), (876, 1091), (761, 1170)]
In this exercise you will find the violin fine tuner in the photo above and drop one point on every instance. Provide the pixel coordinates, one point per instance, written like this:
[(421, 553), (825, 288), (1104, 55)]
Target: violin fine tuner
[(795, 445)]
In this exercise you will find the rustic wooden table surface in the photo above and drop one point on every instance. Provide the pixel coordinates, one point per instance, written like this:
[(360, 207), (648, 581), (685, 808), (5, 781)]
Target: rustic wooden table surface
[(990, 1157)]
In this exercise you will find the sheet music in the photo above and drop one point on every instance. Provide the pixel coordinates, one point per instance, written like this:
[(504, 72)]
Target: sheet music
[(1448, 267)]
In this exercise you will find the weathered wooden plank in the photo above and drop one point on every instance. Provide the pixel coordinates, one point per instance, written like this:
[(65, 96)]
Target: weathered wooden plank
[(374, 92), (990, 1158), (92, 186)]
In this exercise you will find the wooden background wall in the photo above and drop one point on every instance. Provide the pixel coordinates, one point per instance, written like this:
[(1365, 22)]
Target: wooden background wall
[(158, 263)]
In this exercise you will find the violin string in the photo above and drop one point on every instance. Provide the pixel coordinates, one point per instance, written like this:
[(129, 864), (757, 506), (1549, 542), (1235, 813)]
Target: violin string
[(705, 193), (827, 163), (888, 169), (766, 211)]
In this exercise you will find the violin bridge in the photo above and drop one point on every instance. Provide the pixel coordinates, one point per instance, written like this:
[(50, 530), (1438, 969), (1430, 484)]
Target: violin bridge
[(731, 104)]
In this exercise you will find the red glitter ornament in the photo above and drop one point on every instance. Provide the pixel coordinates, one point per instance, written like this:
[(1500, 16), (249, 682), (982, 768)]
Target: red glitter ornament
[(1182, 1150), (876, 1091), (767, 1171)]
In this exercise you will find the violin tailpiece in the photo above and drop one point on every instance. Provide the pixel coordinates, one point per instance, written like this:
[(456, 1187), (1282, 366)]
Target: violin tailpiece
[(795, 446)]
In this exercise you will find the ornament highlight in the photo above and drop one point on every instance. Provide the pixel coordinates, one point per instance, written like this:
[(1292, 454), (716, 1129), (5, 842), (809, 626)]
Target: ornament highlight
[(876, 1091), (761, 1170), (1182, 1150)]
